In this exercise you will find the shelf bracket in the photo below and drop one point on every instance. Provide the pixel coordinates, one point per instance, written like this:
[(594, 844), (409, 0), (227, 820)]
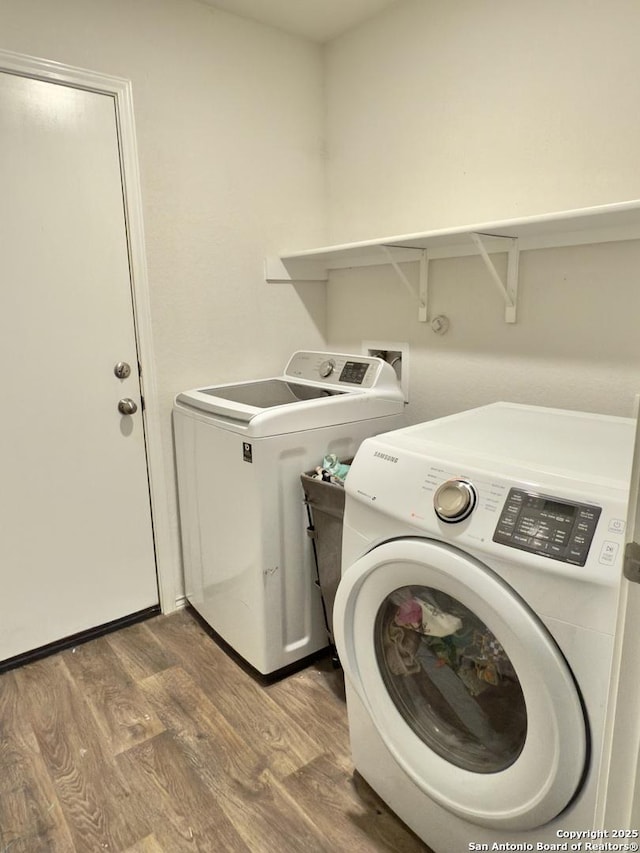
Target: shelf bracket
[(423, 303), (399, 271), (509, 289), (422, 295)]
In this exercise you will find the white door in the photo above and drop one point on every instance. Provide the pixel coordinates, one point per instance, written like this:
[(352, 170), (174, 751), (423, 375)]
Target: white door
[(476, 705), (76, 543)]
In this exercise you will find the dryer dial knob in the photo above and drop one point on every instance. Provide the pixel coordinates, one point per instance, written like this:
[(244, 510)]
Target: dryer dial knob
[(454, 500)]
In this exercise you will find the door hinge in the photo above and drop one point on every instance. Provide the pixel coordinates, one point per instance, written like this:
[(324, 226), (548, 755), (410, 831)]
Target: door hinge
[(631, 566)]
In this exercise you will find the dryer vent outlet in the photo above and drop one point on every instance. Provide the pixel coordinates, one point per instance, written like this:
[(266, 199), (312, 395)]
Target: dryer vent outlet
[(394, 353)]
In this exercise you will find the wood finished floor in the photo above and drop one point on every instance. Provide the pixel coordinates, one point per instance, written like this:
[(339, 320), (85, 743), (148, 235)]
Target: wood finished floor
[(153, 740)]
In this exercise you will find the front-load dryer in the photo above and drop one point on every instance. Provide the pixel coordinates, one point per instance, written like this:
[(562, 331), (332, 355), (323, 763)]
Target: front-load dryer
[(475, 620), (240, 450)]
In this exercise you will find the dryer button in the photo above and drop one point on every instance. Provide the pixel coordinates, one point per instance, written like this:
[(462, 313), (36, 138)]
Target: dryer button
[(454, 500)]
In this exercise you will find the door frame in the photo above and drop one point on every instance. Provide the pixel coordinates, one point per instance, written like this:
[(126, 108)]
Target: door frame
[(619, 795), (120, 90)]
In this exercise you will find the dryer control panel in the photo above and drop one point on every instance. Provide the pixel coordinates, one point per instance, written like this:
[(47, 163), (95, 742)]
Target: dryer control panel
[(547, 526)]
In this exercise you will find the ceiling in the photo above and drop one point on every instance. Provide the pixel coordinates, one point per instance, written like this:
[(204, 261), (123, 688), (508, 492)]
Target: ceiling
[(318, 20)]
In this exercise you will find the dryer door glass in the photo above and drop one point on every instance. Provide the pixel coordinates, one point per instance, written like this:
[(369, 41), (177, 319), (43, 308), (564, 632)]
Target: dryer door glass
[(450, 678)]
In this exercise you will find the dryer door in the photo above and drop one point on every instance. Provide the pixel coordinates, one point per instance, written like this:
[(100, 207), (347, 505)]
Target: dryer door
[(464, 684)]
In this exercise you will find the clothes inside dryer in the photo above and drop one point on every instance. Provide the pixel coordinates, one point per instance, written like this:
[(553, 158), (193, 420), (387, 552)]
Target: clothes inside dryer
[(451, 679)]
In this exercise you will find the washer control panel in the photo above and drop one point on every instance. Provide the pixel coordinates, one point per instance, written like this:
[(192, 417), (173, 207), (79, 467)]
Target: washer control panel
[(352, 372), (339, 369), (547, 526)]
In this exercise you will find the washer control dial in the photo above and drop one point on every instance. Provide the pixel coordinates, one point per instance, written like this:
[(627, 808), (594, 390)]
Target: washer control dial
[(454, 500), (327, 367)]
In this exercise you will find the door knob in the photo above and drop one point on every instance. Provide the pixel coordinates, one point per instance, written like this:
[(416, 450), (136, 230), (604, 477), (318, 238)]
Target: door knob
[(122, 370), (127, 406)]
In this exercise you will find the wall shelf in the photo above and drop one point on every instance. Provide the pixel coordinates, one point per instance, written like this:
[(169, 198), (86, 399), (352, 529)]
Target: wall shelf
[(602, 224)]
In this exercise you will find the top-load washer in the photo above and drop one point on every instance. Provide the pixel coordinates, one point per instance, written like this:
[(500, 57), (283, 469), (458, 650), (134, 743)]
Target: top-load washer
[(475, 621), (240, 451)]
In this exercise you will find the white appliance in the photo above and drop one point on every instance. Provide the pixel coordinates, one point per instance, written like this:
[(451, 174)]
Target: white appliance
[(240, 451), (475, 618)]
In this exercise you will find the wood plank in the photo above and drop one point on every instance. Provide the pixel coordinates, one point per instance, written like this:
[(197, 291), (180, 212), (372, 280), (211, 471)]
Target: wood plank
[(190, 714), (139, 651), (316, 695), (31, 820), (117, 703), (271, 820), (99, 807), (325, 790), (150, 844), (236, 771), (238, 695), (177, 802)]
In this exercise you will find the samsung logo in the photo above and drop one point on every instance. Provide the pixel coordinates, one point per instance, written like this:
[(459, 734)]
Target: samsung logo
[(385, 456)]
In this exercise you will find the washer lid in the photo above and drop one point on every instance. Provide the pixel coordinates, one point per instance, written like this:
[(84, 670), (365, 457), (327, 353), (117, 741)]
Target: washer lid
[(266, 393), (263, 401), (317, 389), (465, 685)]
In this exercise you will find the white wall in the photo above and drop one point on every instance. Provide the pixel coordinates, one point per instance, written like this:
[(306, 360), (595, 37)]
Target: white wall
[(438, 113), (229, 120), (448, 113)]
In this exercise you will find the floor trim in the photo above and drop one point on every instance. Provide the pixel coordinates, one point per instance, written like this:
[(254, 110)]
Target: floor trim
[(77, 639)]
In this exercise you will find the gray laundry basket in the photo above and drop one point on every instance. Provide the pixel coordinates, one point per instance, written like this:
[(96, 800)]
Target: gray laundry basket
[(325, 507)]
